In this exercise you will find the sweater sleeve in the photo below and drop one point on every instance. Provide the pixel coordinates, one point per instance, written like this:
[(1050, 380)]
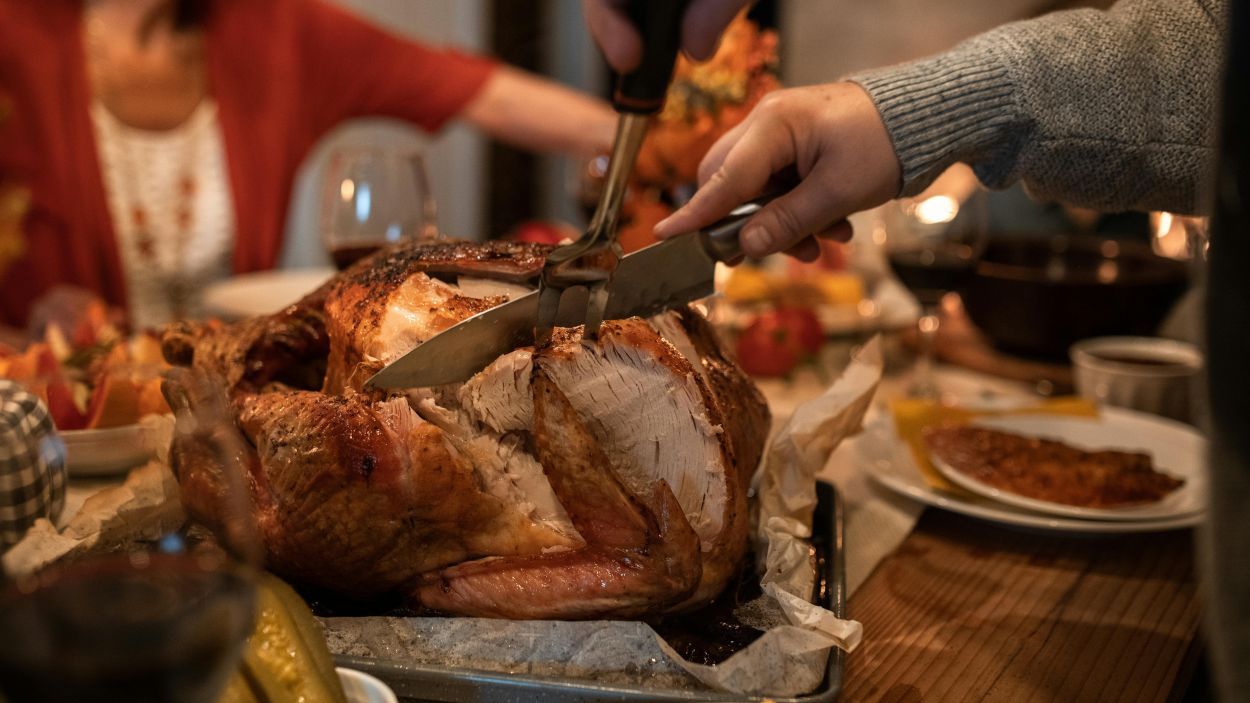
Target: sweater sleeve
[(1107, 109), (355, 69)]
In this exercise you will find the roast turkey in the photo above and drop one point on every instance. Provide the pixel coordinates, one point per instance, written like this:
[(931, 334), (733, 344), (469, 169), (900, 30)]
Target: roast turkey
[(585, 479)]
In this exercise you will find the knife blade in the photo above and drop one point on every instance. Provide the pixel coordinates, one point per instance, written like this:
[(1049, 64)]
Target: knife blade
[(657, 278)]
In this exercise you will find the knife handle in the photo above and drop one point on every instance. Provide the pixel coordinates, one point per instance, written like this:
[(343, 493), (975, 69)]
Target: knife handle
[(659, 25), (721, 239)]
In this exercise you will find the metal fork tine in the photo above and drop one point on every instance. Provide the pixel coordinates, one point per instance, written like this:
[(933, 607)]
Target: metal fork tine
[(548, 310), (591, 261), (596, 304)]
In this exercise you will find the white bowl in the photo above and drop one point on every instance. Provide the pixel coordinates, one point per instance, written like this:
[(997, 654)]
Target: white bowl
[(105, 452), (363, 688), (1149, 374)]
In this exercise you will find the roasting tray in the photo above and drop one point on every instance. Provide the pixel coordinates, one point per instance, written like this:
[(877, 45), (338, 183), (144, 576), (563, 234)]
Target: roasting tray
[(418, 682)]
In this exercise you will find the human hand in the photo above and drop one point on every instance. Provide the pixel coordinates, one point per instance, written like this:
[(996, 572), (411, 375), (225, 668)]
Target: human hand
[(831, 135), (700, 29)]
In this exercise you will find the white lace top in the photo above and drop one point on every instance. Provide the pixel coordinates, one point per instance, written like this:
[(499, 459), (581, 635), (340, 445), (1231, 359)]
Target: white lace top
[(149, 170)]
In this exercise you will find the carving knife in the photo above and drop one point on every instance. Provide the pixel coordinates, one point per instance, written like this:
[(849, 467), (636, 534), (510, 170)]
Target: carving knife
[(662, 276)]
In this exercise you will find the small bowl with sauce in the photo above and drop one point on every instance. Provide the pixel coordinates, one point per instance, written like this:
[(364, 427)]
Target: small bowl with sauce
[(1149, 374)]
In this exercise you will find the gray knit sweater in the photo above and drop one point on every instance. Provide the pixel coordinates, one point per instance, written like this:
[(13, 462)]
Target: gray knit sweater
[(1113, 110)]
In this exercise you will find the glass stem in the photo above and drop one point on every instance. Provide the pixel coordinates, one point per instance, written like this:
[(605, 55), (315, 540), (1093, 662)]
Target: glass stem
[(923, 384)]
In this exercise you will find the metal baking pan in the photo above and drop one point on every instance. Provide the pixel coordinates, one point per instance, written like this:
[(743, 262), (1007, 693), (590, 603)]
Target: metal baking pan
[(445, 684)]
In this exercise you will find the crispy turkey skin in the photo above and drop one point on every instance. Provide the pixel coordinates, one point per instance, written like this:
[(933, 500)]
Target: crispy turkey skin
[(586, 479)]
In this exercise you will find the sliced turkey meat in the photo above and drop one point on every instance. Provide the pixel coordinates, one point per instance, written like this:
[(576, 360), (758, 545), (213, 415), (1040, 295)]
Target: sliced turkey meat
[(499, 397), (487, 288), (655, 418), (640, 556), (741, 405), (602, 478), (505, 469)]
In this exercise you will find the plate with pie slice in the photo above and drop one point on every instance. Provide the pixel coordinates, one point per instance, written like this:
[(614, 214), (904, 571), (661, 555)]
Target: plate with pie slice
[(1173, 450)]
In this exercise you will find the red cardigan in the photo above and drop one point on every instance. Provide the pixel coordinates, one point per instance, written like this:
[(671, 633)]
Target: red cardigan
[(283, 73)]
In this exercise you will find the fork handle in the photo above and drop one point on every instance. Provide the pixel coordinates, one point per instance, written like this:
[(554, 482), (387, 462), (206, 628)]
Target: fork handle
[(659, 25)]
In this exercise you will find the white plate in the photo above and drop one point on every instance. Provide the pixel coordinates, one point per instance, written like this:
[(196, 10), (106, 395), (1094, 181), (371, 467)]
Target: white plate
[(363, 688), (1176, 449), (889, 462), (261, 293), (105, 452)]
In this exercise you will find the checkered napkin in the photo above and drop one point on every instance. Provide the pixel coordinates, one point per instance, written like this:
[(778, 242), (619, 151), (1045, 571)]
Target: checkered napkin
[(32, 463)]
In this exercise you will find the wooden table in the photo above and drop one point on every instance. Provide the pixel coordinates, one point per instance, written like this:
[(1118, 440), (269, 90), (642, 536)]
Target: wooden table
[(966, 611)]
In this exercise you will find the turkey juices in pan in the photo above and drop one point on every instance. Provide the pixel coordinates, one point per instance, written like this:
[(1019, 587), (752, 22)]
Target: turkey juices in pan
[(581, 480)]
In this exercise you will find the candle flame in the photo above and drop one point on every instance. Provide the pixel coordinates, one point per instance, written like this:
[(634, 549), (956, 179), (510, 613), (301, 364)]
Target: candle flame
[(937, 209)]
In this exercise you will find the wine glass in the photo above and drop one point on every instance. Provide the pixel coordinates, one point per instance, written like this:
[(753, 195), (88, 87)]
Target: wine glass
[(933, 243), (372, 197), (163, 619)]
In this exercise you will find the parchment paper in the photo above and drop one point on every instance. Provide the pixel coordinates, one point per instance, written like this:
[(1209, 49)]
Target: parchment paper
[(144, 507), (788, 660)]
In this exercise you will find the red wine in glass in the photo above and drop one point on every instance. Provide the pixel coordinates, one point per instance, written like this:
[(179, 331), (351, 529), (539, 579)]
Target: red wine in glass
[(373, 197), (348, 255), (130, 627)]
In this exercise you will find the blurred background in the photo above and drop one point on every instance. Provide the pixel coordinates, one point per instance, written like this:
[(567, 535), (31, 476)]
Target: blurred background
[(484, 189), (996, 282)]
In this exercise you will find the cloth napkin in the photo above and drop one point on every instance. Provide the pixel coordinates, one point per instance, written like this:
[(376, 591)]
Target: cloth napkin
[(912, 416), (32, 463)]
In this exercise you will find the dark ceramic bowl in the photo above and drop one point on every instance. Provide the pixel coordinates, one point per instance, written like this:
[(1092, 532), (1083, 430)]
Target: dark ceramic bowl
[(1037, 295)]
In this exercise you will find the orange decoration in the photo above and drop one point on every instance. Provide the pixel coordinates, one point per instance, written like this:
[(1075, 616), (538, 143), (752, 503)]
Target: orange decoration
[(639, 217), (146, 349), (705, 100)]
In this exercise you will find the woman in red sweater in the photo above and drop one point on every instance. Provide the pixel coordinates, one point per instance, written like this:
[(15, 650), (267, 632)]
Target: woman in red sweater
[(158, 140)]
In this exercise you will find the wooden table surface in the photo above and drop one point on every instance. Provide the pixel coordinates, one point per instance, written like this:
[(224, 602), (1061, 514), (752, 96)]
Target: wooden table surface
[(966, 611)]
